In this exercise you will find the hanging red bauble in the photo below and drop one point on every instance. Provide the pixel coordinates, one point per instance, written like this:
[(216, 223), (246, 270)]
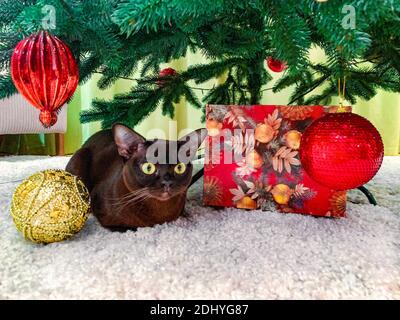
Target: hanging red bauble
[(341, 151), (276, 65), (167, 72), (45, 72)]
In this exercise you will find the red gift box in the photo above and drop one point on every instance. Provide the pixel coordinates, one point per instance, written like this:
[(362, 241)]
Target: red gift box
[(252, 160)]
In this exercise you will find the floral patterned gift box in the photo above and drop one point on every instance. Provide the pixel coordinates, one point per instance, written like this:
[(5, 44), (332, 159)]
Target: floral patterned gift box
[(252, 160)]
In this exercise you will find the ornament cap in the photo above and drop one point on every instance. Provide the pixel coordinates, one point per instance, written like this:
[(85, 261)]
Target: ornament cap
[(48, 118), (342, 108)]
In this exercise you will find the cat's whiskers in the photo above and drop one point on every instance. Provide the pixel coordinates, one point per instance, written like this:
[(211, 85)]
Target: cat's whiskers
[(140, 195), (140, 198), (129, 201), (132, 197), (128, 195)]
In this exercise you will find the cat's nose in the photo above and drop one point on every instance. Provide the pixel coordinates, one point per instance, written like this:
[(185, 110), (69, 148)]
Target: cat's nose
[(166, 183)]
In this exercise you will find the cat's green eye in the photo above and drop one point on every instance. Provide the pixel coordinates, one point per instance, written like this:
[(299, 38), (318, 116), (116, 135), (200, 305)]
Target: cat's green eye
[(180, 168), (148, 168)]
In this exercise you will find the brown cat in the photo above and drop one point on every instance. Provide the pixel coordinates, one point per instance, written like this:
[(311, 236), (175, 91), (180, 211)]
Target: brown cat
[(134, 182)]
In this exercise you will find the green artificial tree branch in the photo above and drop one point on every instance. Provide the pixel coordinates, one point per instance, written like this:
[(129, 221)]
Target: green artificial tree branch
[(119, 38)]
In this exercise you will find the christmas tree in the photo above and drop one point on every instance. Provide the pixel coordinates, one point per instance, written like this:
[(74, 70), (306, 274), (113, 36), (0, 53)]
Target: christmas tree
[(120, 38)]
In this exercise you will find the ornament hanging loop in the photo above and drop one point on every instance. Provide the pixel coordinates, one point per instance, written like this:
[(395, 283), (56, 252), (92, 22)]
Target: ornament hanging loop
[(342, 94)]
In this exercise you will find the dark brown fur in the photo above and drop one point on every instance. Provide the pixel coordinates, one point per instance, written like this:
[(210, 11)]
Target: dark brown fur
[(121, 196)]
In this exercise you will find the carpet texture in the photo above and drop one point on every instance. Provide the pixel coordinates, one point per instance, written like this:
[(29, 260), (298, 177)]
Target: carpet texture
[(224, 254)]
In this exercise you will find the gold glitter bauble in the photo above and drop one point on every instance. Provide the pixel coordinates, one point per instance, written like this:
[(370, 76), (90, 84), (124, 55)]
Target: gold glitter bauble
[(50, 206)]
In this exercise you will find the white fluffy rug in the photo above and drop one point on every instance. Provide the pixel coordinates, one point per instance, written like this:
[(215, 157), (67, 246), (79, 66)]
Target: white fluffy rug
[(224, 254)]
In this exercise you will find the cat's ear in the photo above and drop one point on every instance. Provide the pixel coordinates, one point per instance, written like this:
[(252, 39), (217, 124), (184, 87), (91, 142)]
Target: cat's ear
[(189, 144), (127, 140)]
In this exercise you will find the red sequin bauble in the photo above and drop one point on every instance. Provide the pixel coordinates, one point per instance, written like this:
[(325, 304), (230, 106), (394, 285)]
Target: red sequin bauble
[(276, 65), (341, 151), (45, 72)]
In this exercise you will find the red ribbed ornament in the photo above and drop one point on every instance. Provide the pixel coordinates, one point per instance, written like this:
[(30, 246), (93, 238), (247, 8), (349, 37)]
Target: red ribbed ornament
[(45, 72), (341, 151)]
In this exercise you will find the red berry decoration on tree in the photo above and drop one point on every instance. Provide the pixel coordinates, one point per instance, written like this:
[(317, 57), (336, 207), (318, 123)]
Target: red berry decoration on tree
[(167, 72), (45, 72), (341, 151), (276, 65)]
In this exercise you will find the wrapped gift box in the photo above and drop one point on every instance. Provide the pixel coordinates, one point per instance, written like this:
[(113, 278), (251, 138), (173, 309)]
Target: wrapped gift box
[(252, 160)]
